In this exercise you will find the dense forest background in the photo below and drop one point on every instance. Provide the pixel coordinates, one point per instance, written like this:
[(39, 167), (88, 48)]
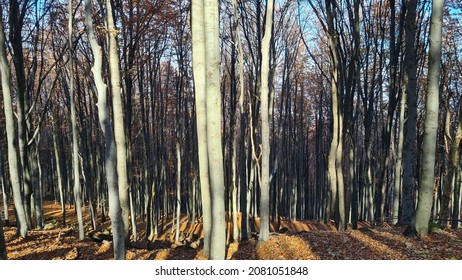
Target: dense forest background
[(244, 111)]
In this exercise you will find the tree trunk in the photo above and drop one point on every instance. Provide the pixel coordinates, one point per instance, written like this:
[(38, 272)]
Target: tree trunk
[(456, 203), (5, 189), (75, 141), (336, 149), (115, 211), (16, 41), (399, 159), (265, 128), (3, 255), (178, 191), (214, 145), (451, 179), (426, 184), (199, 59), (58, 172), (407, 205), (119, 129), (11, 135)]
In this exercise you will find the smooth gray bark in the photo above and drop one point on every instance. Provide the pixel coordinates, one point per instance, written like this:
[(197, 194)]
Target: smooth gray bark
[(427, 179), (240, 124), (11, 135), (214, 137), (75, 140), (336, 147), (118, 116), (58, 172), (206, 64), (265, 128), (16, 41), (110, 160), (399, 161), (198, 57)]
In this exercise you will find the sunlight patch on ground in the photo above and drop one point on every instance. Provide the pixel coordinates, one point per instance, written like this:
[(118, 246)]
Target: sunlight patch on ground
[(285, 247), (377, 247)]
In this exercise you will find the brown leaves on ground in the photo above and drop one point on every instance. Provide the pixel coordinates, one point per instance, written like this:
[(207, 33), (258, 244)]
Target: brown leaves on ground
[(375, 243), (300, 241)]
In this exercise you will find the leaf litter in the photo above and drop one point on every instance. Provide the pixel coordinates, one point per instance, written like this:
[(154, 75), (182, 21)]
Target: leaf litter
[(300, 240)]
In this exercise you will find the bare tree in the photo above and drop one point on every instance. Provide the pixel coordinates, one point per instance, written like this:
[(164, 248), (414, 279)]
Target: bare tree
[(110, 160), (75, 141), (207, 64), (427, 178), (11, 135)]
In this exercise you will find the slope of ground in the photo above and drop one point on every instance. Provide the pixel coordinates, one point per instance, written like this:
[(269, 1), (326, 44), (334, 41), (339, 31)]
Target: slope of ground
[(301, 240)]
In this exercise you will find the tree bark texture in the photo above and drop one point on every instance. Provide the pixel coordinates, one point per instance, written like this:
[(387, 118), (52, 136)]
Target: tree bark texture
[(265, 127), (427, 178), (110, 159), (119, 129), (11, 135)]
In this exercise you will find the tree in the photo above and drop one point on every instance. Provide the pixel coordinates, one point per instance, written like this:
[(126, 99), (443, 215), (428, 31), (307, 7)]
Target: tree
[(75, 141), (427, 177), (410, 126), (336, 148), (265, 128), (110, 160), (198, 37), (3, 255), (11, 135), (119, 129), (206, 65), (16, 20)]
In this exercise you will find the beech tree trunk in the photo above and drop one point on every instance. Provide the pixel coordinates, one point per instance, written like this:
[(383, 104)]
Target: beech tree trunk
[(59, 178), (110, 160), (5, 189), (11, 135), (75, 140), (119, 129), (3, 255), (206, 63), (265, 128), (214, 145), (407, 204), (427, 179), (336, 147), (198, 56)]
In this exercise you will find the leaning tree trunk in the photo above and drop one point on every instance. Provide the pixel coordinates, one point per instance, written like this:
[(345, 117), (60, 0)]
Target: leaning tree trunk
[(265, 128), (424, 203), (11, 135), (75, 141), (119, 129), (115, 211)]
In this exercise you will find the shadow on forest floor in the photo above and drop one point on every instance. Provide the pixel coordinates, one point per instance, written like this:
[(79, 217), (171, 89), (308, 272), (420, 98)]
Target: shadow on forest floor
[(305, 240)]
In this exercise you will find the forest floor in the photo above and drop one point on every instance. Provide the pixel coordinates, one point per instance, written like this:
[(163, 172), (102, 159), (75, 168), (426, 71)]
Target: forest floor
[(301, 240)]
